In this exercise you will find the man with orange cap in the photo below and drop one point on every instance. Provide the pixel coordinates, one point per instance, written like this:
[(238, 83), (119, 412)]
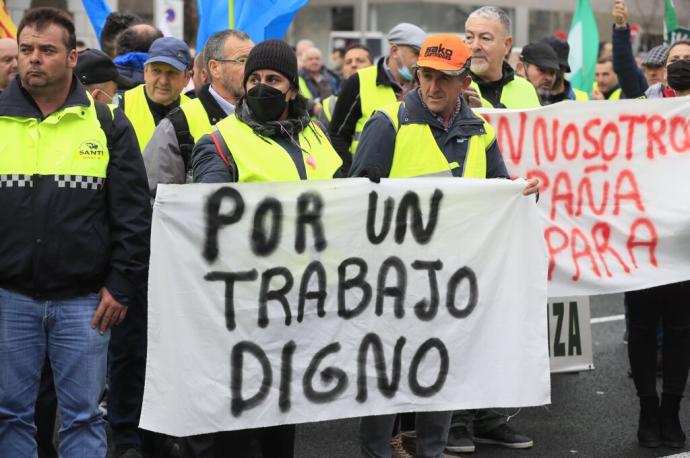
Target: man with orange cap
[(432, 132)]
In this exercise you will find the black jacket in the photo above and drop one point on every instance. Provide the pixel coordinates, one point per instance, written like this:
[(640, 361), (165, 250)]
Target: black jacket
[(374, 156), (492, 90), (65, 242), (348, 110)]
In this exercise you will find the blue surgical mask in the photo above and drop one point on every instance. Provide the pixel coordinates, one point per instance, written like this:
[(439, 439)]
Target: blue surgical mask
[(405, 73), (403, 70)]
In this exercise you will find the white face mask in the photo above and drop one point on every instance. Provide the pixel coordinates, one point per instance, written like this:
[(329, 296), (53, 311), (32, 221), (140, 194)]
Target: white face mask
[(114, 100)]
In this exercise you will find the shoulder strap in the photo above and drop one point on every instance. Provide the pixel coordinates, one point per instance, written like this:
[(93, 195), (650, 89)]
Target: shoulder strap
[(184, 137), (224, 152), (105, 117)]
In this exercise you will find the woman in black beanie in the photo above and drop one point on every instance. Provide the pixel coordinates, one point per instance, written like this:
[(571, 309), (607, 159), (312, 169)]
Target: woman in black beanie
[(271, 136)]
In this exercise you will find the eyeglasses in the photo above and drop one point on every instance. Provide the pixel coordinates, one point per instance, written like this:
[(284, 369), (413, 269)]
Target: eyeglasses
[(239, 61)]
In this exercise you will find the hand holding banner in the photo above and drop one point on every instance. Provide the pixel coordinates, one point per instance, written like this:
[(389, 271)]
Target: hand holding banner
[(273, 303)]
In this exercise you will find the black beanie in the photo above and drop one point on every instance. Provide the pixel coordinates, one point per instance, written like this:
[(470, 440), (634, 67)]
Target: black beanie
[(275, 55)]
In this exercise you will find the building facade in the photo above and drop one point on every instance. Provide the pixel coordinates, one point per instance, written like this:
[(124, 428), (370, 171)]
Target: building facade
[(532, 19)]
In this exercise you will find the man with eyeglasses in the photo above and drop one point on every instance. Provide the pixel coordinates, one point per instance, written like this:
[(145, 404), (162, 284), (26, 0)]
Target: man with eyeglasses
[(167, 154)]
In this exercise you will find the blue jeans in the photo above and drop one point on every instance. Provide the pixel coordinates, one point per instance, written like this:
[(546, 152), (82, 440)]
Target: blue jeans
[(432, 434), (30, 329)]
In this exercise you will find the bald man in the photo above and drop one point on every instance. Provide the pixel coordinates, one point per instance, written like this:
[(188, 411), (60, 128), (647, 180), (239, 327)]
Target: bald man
[(8, 61)]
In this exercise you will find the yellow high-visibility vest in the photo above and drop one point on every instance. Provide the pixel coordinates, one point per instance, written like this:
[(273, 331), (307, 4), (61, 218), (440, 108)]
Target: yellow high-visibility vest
[(372, 97), (304, 89), (262, 159), (519, 93), (328, 105), (139, 114), (197, 119), (69, 144), (416, 152), (616, 95)]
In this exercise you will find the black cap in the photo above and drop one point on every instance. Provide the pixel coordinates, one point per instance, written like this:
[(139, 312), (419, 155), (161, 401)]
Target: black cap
[(275, 55), (562, 49), (94, 66), (541, 55)]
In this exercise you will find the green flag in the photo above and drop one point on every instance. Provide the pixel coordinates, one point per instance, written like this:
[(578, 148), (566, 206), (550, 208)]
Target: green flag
[(583, 39), (670, 18)]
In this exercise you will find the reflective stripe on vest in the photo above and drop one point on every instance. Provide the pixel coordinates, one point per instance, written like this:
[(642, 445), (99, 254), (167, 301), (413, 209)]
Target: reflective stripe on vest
[(372, 97), (139, 114), (416, 152), (197, 119), (518, 93), (69, 144), (329, 107), (304, 89), (262, 159)]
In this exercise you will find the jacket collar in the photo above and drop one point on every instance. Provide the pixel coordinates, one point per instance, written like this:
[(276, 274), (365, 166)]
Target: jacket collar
[(214, 111), (382, 78), (609, 93), (465, 124), (16, 101), (507, 77)]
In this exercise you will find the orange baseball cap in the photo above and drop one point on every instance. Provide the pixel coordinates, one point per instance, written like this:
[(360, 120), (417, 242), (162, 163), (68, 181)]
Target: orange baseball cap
[(445, 52)]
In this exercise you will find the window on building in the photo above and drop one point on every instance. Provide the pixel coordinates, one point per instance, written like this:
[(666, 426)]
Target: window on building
[(343, 18)]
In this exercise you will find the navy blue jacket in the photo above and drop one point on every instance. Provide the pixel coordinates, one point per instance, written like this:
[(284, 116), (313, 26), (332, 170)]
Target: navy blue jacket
[(631, 79), (374, 155), (66, 242)]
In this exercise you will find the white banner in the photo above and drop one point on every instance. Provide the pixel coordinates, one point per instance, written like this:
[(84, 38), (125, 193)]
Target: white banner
[(273, 303), (615, 189), (570, 334)]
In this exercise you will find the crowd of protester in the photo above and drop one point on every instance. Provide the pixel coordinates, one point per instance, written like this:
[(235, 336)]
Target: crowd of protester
[(237, 112)]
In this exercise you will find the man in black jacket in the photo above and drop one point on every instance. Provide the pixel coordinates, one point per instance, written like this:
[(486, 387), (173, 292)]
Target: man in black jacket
[(74, 241), (372, 88)]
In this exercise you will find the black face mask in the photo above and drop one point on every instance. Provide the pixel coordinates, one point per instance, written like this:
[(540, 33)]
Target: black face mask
[(266, 102), (678, 75)]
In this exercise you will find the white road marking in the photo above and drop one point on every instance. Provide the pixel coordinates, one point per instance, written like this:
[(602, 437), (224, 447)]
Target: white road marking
[(606, 319)]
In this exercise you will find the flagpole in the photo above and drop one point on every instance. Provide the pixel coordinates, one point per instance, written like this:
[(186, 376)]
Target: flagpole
[(363, 17)]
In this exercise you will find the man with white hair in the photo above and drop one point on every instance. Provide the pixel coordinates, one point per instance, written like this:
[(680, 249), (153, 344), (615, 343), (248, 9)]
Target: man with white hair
[(302, 46), (316, 82), (488, 34), (8, 61)]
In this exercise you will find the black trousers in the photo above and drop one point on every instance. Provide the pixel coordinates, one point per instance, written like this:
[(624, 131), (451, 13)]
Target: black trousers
[(126, 370), (669, 304), (274, 442)]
